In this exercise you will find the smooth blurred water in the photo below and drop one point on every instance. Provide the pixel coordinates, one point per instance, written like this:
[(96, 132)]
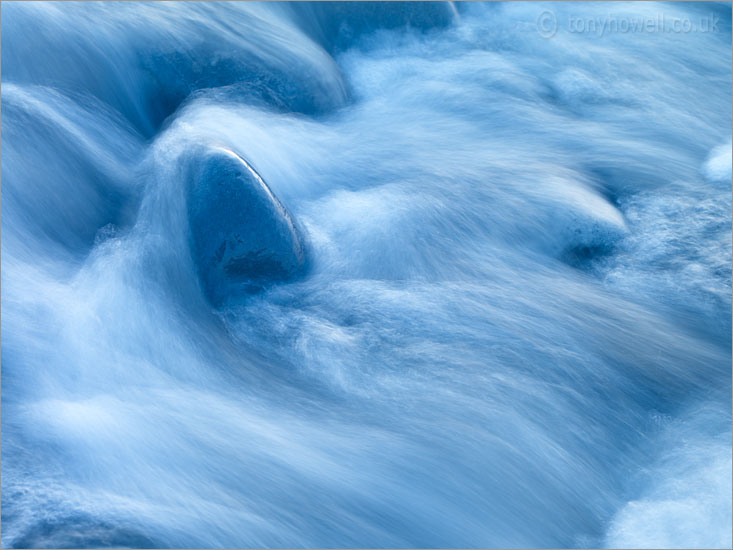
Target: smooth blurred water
[(514, 329)]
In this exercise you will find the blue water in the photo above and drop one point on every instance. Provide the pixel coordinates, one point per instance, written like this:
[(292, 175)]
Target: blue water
[(393, 275)]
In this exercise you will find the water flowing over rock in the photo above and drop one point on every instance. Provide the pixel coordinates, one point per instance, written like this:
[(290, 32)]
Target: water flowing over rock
[(366, 275)]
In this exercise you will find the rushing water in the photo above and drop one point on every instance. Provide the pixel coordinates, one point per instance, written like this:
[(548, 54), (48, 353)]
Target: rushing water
[(366, 275)]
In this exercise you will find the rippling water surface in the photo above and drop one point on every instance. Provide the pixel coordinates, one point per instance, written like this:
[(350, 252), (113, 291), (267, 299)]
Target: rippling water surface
[(394, 275)]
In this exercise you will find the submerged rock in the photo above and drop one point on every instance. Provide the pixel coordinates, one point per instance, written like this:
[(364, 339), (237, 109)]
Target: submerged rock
[(242, 237)]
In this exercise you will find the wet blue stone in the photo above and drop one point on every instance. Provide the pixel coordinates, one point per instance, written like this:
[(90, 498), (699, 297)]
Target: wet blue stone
[(242, 237)]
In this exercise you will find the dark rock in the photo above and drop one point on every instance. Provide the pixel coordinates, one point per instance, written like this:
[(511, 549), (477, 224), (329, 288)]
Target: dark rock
[(242, 237)]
